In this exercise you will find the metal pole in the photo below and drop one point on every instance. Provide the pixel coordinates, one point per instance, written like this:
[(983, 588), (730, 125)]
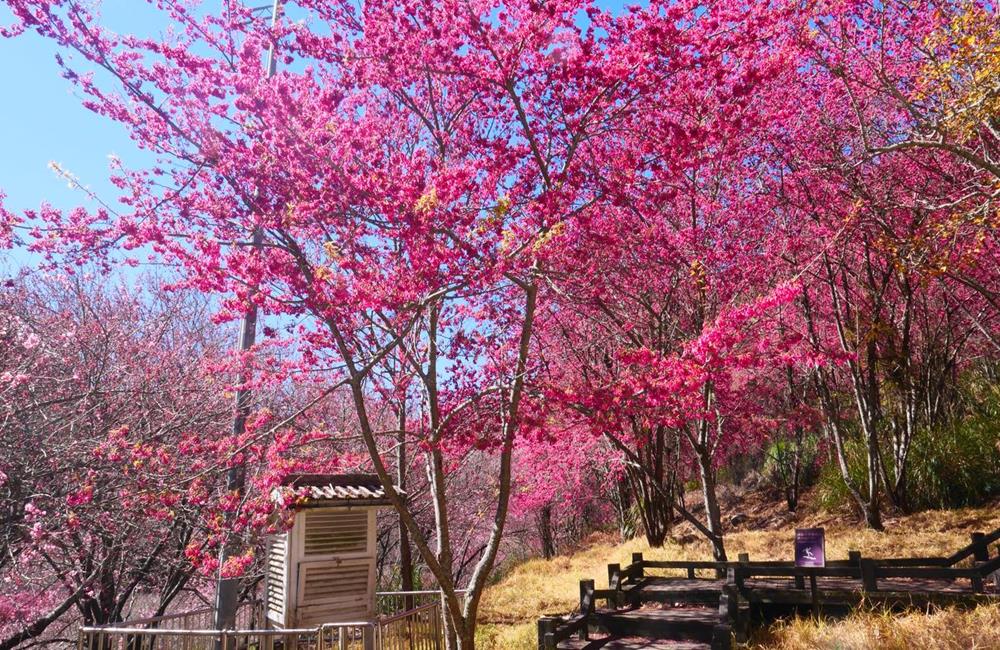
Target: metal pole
[(227, 589)]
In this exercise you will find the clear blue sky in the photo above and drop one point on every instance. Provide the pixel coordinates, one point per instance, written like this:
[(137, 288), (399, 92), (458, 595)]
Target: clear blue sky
[(41, 120)]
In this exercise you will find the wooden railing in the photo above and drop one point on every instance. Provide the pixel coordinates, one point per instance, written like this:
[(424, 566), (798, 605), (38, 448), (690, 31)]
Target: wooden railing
[(866, 570), (554, 629)]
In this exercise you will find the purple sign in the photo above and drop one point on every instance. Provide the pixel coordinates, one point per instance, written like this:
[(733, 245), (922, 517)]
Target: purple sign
[(810, 547)]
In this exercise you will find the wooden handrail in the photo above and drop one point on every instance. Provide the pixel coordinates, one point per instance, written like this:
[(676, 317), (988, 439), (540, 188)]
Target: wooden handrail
[(684, 564), (552, 630), (932, 572), (758, 571), (980, 543)]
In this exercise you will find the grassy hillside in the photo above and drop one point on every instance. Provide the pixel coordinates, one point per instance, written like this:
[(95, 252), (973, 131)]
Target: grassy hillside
[(538, 587)]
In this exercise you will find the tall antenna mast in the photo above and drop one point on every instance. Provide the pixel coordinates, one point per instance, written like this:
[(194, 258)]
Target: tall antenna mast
[(227, 589)]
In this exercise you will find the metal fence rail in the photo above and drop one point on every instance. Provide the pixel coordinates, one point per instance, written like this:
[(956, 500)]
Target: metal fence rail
[(345, 636), (419, 628), (392, 602), (416, 629)]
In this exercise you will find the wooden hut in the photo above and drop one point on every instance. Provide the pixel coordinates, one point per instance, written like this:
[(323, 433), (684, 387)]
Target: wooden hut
[(323, 569)]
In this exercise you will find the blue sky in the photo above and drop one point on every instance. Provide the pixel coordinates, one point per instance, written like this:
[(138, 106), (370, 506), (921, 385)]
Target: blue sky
[(42, 121)]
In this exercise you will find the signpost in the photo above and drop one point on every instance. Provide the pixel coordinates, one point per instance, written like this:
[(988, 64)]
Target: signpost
[(810, 547)]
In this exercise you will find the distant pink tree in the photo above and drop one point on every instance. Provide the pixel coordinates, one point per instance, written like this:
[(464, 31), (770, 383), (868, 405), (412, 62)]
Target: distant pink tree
[(95, 381), (560, 480)]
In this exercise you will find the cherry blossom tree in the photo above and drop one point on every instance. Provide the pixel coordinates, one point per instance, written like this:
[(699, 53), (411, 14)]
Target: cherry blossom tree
[(88, 536), (403, 184), (487, 230)]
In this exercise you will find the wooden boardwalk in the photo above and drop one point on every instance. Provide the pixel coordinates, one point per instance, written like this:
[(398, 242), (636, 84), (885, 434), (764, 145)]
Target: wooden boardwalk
[(695, 611), (630, 643)]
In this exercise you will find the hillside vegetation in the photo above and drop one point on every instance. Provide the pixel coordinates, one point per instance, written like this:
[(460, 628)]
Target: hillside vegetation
[(537, 587)]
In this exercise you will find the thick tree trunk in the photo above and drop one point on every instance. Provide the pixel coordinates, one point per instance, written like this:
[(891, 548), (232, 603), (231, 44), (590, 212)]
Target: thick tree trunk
[(467, 641)]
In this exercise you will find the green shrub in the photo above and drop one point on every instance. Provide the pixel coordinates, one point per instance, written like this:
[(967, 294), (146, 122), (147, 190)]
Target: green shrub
[(779, 462), (831, 490), (955, 466), (959, 466)]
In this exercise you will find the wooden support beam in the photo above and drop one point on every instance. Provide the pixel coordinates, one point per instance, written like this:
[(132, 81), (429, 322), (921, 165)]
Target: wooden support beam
[(980, 549), (980, 553), (722, 637)]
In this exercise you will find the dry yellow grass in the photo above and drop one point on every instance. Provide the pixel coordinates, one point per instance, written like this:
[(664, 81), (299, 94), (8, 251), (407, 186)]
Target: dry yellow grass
[(949, 629), (511, 607)]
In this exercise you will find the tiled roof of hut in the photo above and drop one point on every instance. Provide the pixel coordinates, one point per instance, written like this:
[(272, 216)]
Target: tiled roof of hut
[(332, 489)]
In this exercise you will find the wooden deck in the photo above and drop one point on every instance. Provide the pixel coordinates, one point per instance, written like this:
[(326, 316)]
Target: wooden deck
[(684, 589), (651, 611), (631, 643)]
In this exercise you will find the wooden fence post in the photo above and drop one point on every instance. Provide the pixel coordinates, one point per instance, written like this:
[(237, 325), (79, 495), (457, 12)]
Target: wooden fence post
[(743, 561), (729, 611), (546, 633), (615, 583), (722, 637), (980, 553), (586, 605), (728, 604), (854, 558), (639, 573), (735, 575), (868, 580)]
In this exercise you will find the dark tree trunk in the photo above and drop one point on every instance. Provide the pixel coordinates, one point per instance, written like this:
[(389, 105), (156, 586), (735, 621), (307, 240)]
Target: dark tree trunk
[(655, 502), (545, 532)]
